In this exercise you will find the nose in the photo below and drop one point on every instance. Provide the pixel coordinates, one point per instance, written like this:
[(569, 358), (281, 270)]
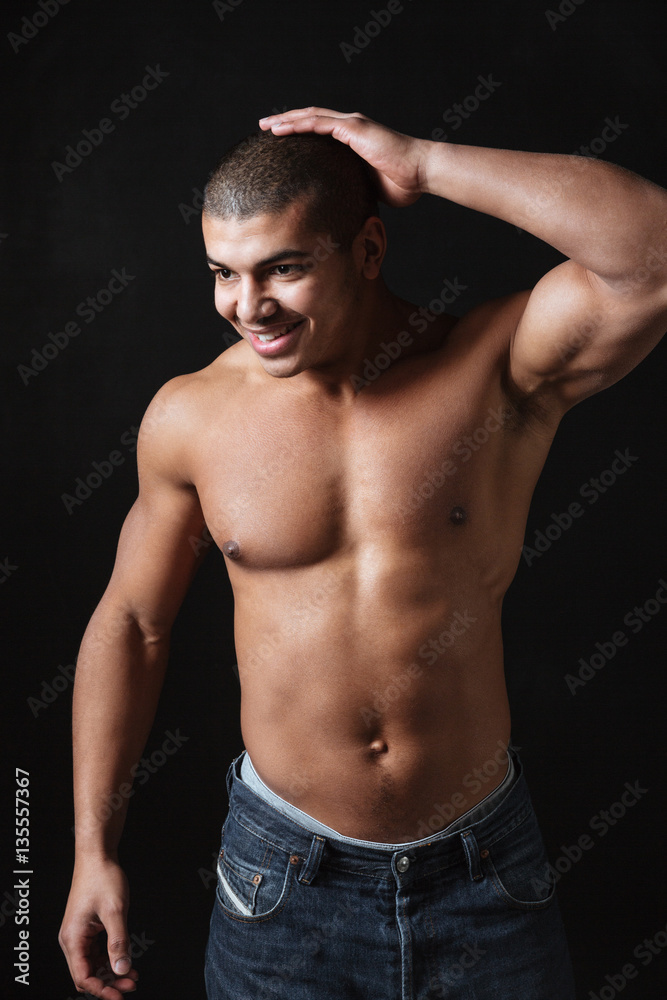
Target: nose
[(252, 304)]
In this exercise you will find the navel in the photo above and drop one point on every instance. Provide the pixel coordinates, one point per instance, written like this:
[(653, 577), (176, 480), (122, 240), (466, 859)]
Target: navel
[(458, 515), (231, 549), (378, 746)]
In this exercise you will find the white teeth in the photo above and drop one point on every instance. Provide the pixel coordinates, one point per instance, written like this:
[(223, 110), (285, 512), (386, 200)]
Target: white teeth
[(267, 337)]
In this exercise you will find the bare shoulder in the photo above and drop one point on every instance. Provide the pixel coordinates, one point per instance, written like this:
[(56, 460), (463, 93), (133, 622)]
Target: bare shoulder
[(492, 323), (180, 410), (483, 341)]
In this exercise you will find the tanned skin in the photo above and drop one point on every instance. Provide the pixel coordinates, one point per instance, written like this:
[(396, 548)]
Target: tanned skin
[(367, 599)]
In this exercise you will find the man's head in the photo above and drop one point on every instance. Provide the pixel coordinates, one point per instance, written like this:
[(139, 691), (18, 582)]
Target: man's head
[(293, 235), (265, 173)]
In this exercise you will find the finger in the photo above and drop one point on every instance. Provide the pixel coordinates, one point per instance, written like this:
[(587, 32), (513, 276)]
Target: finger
[(99, 985), (295, 112), (308, 121), (106, 984), (118, 944), (342, 129)]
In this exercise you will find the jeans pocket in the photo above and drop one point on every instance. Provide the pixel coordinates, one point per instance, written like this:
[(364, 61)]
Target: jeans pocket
[(255, 878), (518, 867)]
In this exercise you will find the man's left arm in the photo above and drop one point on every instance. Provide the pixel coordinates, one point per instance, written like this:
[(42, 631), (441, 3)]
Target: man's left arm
[(589, 320), (593, 318)]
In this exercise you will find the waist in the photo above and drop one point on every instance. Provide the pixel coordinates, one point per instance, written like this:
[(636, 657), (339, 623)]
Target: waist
[(505, 811), (415, 768), (470, 817)]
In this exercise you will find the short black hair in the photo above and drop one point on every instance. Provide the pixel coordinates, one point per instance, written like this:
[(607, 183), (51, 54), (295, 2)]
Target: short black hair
[(265, 173)]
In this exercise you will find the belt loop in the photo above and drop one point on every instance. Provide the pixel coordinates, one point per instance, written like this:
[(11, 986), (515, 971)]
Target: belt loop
[(230, 775), (472, 855), (312, 864)]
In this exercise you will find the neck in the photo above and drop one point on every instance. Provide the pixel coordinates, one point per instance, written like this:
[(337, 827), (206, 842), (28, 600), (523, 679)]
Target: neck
[(377, 318)]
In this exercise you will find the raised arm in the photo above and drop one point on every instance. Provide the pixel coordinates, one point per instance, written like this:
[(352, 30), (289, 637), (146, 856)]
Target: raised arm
[(119, 675), (591, 319)]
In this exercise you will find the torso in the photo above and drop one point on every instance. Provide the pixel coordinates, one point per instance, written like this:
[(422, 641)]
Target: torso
[(376, 540)]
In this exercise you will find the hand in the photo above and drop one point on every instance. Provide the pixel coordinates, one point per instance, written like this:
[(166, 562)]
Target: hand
[(98, 901), (397, 159)]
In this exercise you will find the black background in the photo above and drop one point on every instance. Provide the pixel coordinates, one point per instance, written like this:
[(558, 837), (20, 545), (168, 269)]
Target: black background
[(131, 204)]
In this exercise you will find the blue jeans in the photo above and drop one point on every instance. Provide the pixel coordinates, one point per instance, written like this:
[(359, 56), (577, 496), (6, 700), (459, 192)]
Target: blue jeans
[(467, 914)]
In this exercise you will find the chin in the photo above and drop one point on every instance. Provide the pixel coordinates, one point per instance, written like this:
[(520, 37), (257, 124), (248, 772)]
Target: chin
[(282, 367)]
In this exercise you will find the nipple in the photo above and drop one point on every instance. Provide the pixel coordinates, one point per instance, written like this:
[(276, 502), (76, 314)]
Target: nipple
[(231, 549), (379, 746), (458, 515)]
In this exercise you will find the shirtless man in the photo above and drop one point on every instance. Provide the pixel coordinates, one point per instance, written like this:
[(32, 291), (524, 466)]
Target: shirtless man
[(367, 852)]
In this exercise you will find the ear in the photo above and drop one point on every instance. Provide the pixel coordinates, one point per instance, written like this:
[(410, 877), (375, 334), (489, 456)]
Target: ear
[(370, 246)]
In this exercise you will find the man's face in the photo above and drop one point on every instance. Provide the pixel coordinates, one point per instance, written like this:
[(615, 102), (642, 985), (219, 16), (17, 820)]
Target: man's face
[(285, 289)]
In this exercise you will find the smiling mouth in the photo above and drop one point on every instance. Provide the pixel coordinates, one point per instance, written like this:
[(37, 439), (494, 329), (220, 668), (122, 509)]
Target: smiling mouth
[(268, 337)]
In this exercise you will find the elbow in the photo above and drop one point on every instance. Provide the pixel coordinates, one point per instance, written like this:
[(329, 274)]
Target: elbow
[(150, 632), (115, 624)]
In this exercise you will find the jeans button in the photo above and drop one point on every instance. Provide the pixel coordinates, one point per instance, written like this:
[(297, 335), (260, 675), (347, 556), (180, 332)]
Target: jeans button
[(403, 864)]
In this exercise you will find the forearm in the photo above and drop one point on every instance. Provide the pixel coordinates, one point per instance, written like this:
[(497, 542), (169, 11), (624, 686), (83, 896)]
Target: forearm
[(602, 216), (118, 681)]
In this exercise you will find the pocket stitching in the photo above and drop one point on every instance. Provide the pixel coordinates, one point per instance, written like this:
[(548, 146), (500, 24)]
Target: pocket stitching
[(288, 885), (522, 904), (232, 895), (499, 887), (280, 905)]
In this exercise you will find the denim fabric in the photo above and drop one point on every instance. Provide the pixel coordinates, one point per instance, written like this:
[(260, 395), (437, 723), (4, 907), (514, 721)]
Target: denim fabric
[(469, 914)]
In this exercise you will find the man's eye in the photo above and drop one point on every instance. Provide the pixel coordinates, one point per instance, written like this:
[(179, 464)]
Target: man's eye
[(222, 274), (283, 269)]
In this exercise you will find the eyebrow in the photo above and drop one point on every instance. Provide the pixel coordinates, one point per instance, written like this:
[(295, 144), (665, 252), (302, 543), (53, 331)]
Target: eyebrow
[(287, 252)]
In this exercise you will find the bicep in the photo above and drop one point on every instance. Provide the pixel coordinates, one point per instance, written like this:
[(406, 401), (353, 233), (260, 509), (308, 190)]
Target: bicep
[(160, 547), (577, 334), (163, 538)]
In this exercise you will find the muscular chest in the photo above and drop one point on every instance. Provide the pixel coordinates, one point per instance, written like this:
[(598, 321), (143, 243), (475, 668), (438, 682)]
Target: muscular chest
[(292, 482)]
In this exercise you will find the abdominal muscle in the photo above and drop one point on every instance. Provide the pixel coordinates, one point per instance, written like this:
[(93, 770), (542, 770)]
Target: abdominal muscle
[(384, 725)]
